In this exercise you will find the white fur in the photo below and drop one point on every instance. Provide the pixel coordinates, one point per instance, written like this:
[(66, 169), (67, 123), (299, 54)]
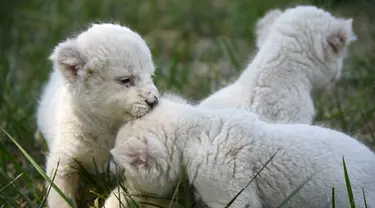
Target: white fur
[(120, 199), (84, 102), (264, 25), (142, 189), (301, 49), (222, 151)]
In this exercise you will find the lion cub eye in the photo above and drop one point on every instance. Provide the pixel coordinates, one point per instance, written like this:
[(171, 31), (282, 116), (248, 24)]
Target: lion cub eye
[(127, 81)]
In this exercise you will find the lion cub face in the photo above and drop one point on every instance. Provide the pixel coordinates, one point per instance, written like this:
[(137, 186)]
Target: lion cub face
[(108, 69)]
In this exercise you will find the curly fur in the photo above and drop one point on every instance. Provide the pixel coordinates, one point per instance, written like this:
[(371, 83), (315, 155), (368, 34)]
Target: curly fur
[(222, 150), (101, 79), (301, 49)]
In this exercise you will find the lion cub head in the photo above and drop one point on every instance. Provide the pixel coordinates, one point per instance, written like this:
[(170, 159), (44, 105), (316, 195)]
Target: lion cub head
[(108, 69)]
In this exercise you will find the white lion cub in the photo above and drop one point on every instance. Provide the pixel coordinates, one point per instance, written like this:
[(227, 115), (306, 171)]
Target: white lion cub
[(300, 50), (223, 150), (101, 79)]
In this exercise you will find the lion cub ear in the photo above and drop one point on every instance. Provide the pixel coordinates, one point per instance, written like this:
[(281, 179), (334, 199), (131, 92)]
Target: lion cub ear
[(69, 59), (264, 24), (141, 157), (341, 36)]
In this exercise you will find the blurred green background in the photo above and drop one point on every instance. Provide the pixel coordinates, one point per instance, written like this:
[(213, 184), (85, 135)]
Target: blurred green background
[(198, 46)]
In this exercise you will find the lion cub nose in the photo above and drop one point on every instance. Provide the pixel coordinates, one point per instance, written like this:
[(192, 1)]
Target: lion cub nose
[(152, 102)]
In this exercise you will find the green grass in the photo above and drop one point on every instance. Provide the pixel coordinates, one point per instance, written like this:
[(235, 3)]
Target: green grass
[(348, 185), (198, 46)]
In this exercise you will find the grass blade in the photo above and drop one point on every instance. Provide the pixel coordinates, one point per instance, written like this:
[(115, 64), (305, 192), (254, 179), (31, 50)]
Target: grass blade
[(44, 200), (295, 191), (364, 197), (151, 204), (5, 153), (348, 185), (5, 199), (39, 169), (20, 191), (11, 182), (231, 54), (235, 197), (127, 197), (175, 192), (333, 198), (119, 196), (187, 198)]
